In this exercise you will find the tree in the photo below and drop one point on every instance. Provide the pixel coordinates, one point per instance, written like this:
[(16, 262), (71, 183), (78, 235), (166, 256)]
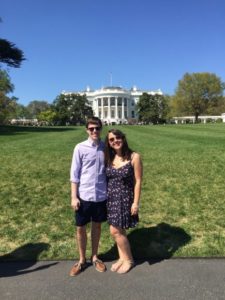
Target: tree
[(198, 93), (12, 57), (35, 107), (7, 108), (7, 105), (72, 109), (21, 112), (5, 83), (152, 108), (10, 54), (48, 116)]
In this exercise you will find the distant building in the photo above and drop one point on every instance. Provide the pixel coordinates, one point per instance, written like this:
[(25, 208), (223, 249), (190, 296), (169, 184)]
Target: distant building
[(114, 105), (202, 119)]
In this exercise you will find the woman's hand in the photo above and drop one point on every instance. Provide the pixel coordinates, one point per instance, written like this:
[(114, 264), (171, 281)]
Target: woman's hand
[(134, 209)]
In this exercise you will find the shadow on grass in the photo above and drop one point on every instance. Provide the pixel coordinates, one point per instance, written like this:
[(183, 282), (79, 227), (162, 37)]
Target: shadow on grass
[(18, 261), (153, 244), (11, 130)]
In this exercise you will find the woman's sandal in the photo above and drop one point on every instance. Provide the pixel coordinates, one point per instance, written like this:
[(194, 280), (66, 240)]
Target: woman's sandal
[(116, 265), (125, 267)]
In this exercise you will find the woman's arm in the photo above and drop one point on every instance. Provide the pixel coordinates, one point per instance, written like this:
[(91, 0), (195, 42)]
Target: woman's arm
[(138, 172)]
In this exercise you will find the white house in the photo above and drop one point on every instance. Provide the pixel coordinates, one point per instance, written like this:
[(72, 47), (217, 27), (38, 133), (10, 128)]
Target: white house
[(113, 104)]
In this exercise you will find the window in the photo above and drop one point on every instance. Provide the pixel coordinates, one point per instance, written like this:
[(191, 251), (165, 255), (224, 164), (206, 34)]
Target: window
[(125, 101), (99, 102), (132, 114), (119, 102), (112, 113), (105, 101), (112, 101)]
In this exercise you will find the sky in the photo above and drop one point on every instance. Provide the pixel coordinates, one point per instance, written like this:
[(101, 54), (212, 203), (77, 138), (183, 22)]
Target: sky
[(72, 44)]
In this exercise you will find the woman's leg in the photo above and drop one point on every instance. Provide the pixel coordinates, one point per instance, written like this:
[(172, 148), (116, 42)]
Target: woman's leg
[(125, 261)]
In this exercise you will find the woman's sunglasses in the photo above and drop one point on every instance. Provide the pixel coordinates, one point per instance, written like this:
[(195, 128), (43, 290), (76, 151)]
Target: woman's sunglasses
[(117, 138), (94, 128)]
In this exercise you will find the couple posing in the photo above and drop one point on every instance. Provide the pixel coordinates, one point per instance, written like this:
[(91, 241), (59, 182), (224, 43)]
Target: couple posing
[(105, 185)]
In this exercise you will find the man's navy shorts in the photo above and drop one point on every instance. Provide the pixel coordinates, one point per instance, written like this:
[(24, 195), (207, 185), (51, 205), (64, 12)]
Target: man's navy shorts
[(90, 211)]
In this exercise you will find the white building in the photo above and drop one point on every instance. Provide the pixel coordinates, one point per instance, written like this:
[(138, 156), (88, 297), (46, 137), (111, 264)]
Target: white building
[(114, 105), (202, 119)]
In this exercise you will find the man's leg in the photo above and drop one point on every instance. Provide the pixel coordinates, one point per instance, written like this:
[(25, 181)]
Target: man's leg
[(81, 237), (82, 242), (95, 237)]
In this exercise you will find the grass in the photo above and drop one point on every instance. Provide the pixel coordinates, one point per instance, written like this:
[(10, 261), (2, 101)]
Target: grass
[(182, 204)]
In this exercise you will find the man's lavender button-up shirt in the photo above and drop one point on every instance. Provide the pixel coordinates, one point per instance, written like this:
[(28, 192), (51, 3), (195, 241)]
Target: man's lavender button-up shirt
[(88, 171)]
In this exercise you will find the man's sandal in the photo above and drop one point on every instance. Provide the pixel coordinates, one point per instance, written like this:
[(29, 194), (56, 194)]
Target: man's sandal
[(77, 268), (99, 265)]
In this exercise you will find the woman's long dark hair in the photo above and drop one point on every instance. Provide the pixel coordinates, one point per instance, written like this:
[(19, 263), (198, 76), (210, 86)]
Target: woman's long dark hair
[(110, 153)]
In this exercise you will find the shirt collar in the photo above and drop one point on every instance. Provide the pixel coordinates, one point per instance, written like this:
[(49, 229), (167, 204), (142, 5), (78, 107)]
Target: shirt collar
[(92, 143)]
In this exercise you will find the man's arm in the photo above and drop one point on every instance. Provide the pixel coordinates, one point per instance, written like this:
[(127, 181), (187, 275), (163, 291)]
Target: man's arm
[(75, 202), (75, 178)]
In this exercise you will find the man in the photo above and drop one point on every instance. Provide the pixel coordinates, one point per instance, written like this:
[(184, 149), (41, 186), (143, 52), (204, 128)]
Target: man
[(88, 193)]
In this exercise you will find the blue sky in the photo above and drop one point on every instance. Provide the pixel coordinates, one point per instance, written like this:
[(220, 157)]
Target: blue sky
[(72, 44)]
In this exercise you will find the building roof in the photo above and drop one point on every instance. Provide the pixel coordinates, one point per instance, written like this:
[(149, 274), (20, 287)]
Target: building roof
[(113, 88)]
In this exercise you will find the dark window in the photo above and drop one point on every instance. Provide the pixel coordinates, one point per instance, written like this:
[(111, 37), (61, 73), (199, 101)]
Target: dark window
[(112, 101), (112, 114)]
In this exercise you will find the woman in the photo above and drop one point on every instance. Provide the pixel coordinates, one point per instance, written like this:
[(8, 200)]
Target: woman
[(124, 175)]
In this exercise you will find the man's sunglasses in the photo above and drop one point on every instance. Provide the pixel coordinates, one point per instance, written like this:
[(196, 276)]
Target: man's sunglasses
[(94, 128)]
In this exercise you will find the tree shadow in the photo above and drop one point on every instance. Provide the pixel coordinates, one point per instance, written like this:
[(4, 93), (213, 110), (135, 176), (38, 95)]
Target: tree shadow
[(12, 130), (16, 262), (153, 244)]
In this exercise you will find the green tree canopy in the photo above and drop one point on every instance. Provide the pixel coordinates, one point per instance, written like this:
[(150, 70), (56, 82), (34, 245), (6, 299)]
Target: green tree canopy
[(72, 109), (7, 108), (198, 93), (10, 54), (5, 83), (35, 107), (152, 108), (48, 116)]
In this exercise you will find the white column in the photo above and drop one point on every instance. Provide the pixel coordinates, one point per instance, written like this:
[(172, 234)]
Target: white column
[(128, 108), (122, 108), (102, 108), (109, 112), (96, 109), (116, 108)]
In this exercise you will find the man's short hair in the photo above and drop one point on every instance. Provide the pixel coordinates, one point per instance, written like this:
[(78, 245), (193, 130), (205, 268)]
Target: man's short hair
[(95, 121)]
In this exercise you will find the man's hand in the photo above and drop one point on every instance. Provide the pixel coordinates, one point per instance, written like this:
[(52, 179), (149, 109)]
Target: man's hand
[(75, 203)]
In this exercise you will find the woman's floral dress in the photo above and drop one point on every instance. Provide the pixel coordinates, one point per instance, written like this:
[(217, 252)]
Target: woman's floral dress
[(121, 196)]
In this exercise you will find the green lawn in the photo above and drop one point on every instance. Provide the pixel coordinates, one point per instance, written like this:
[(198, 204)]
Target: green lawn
[(182, 204)]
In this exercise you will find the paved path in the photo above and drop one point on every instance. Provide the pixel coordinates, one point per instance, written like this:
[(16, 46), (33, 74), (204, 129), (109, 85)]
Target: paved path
[(168, 279)]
